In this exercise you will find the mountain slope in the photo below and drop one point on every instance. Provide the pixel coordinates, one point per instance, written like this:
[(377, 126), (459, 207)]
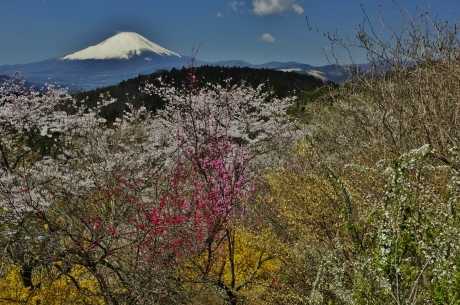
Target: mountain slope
[(123, 45), (119, 57)]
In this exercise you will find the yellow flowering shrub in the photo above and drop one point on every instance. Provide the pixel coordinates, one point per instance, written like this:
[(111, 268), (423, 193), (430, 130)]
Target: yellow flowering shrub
[(242, 265), (53, 287)]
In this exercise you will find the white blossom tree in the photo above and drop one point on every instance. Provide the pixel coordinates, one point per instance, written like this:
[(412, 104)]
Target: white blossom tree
[(126, 201)]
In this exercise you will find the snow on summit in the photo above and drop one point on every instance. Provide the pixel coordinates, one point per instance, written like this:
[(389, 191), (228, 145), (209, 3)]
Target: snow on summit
[(123, 45)]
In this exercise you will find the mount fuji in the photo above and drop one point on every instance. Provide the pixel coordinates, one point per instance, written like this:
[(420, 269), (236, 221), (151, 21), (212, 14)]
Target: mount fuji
[(124, 45), (123, 56), (126, 55)]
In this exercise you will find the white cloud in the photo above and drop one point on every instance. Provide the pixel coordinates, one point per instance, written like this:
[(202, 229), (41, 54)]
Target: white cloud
[(271, 7), (297, 8), (267, 38), (234, 5), (219, 15)]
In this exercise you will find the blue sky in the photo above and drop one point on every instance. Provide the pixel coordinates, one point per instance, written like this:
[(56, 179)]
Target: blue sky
[(256, 31)]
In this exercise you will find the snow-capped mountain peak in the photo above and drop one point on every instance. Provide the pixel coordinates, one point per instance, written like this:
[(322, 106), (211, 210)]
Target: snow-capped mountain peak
[(123, 45)]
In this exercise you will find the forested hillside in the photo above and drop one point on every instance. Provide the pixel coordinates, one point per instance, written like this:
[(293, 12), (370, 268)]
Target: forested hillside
[(281, 84), (231, 194)]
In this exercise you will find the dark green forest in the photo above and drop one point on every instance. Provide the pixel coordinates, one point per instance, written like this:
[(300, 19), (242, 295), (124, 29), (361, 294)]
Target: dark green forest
[(281, 84)]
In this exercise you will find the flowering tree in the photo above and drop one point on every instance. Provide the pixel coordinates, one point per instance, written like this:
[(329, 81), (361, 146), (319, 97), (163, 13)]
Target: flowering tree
[(123, 204), (82, 199), (220, 138)]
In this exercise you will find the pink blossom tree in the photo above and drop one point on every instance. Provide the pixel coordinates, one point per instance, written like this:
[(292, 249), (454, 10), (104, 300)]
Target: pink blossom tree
[(127, 201), (221, 138)]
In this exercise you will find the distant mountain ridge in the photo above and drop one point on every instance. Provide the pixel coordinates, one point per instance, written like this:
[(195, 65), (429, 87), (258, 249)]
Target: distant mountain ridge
[(127, 55)]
